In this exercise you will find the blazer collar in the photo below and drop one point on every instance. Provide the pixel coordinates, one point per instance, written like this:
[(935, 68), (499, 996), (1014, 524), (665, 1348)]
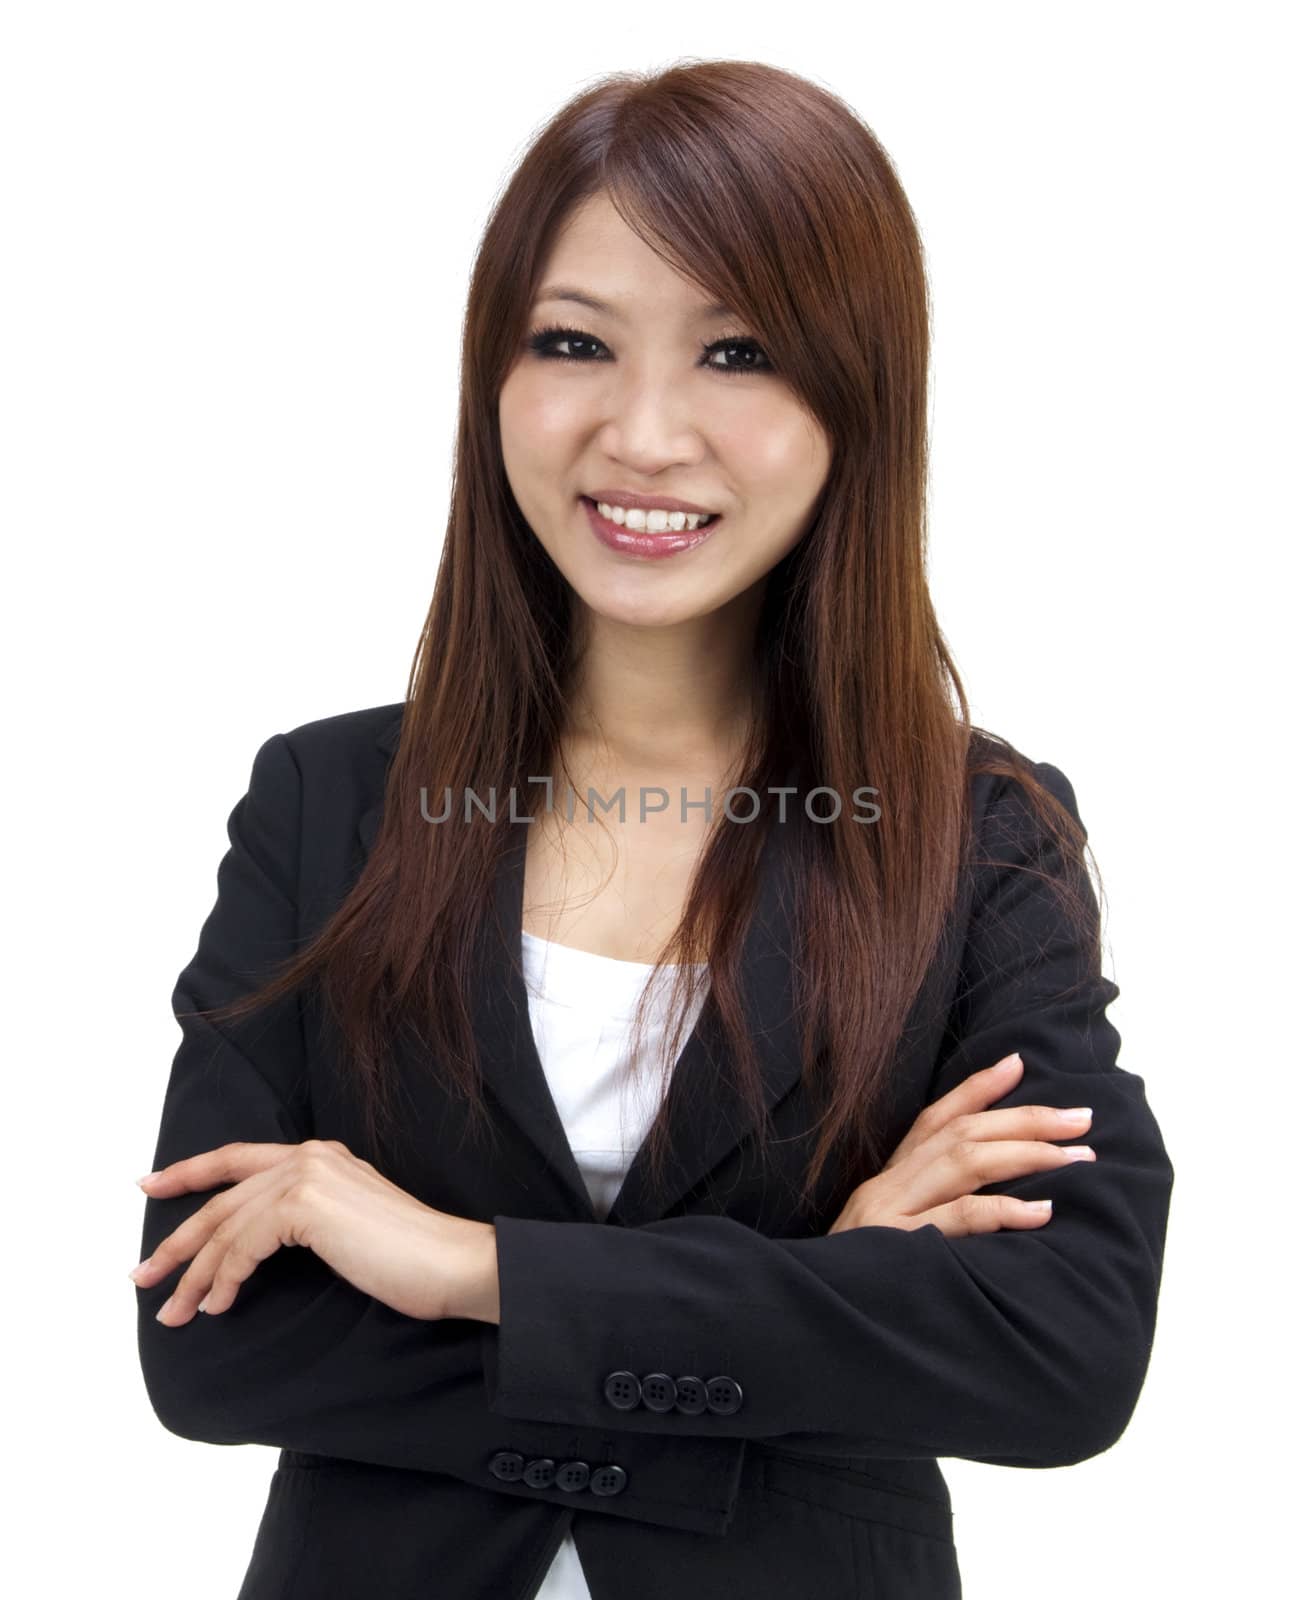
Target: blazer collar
[(712, 1117)]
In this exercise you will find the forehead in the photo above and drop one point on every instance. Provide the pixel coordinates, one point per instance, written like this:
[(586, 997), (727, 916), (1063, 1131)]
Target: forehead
[(599, 263), (619, 310)]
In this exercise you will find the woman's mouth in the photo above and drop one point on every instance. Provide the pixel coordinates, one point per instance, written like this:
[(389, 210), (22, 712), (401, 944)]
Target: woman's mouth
[(628, 541)]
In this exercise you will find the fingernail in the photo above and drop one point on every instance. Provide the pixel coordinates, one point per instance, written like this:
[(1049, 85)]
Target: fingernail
[(1010, 1062), (142, 1269), (162, 1310), (1078, 1152), (202, 1304), (1076, 1113), (147, 1178), (1038, 1205)]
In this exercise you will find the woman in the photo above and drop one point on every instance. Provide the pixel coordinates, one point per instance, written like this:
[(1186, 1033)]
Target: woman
[(594, 1294)]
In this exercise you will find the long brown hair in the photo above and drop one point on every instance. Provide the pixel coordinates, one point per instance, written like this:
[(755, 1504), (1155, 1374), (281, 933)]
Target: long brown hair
[(770, 192)]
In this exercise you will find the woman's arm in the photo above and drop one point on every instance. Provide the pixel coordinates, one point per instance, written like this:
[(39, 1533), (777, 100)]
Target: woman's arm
[(302, 1359), (1019, 1348)]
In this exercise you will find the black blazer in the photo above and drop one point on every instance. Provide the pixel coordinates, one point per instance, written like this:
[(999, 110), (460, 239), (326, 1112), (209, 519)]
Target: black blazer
[(714, 1395)]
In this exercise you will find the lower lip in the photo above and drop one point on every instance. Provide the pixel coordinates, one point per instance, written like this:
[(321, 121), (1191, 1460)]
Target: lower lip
[(655, 546)]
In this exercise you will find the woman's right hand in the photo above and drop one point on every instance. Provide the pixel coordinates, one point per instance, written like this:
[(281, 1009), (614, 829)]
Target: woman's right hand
[(953, 1148)]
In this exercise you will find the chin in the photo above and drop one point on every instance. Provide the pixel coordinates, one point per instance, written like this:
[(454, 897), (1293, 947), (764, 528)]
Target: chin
[(630, 605)]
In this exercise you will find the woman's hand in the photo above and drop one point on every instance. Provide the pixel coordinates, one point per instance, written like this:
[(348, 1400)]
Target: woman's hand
[(414, 1259), (954, 1147)]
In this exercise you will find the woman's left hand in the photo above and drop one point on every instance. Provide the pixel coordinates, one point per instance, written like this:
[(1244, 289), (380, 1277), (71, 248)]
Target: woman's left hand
[(414, 1259)]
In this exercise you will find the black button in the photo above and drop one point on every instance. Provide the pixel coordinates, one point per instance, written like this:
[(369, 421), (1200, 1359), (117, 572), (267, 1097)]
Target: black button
[(572, 1476), (623, 1390), (540, 1471), (506, 1465), (658, 1391), (608, 1480), (723, 1395), (690, 1396)]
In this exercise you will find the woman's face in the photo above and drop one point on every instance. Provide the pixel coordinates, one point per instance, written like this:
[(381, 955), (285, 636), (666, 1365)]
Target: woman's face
[(653, 398)]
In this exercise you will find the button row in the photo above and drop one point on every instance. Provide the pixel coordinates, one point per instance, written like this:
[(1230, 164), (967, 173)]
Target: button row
[(542, 1472), (659, 1392)]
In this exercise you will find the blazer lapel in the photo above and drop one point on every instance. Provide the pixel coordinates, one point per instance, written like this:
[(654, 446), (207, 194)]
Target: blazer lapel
[(711, 1120), (712, 1116)]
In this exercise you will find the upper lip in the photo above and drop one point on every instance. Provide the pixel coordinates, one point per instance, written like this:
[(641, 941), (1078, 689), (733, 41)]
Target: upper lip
[(646, 502)]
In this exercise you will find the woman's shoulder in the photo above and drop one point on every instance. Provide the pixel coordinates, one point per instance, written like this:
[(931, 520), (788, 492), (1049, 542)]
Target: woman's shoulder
[(998, 770), (348, 738), (329, 771), (368, 724), (330, 775), (1023, 810)]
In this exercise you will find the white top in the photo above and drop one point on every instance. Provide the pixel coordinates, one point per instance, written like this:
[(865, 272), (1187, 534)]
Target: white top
[(581, 1013)]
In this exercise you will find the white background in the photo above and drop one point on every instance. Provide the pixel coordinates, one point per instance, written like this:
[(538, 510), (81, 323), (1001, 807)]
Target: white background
[(235, 255)]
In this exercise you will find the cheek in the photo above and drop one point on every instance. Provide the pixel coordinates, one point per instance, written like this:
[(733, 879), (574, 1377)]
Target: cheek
[(777, 458), (772, 452), (535, 416)]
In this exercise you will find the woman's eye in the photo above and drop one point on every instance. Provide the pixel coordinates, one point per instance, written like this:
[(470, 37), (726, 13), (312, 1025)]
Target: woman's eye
[(547, 342), (747, 347), (729, 356)]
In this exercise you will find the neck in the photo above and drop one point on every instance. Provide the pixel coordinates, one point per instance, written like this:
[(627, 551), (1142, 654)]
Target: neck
[(675, 696)]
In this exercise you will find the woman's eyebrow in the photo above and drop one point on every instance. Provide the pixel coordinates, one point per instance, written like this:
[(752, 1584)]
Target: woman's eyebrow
[(560, 291)]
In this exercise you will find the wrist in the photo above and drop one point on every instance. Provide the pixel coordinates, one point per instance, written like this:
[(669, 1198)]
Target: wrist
[(477, 1292)]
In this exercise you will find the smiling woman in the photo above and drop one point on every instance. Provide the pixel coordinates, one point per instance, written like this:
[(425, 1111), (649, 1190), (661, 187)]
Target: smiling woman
[(515, 1328), (646, 387)]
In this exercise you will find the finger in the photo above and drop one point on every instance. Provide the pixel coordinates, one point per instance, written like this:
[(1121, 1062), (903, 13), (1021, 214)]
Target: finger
[(193, 1233), (984, 1213), (1027, 1122), (250, 1235), (971, 1163), (230, 1163), (972, 1094)]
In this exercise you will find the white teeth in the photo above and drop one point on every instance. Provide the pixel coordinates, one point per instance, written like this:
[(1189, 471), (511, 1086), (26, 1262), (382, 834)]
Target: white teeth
[(655, 521)]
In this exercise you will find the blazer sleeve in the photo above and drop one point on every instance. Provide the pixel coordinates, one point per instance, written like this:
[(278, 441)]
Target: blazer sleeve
[(1023, 1348), (303, 1359)]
